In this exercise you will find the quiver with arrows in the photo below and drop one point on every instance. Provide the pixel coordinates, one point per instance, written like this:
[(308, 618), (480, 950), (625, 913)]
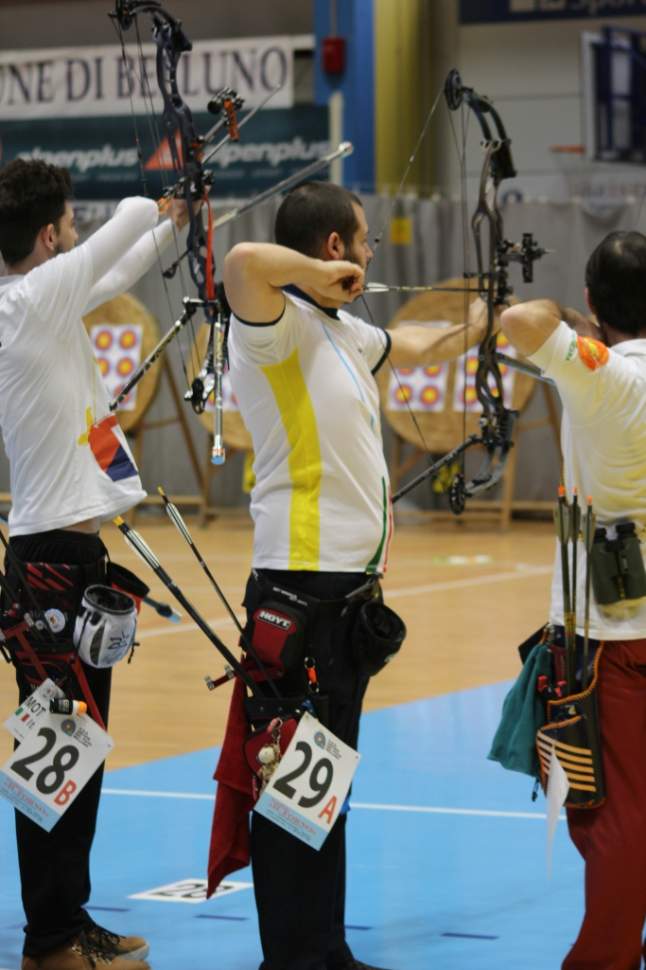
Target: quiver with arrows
[(540, 718), (572, 734)]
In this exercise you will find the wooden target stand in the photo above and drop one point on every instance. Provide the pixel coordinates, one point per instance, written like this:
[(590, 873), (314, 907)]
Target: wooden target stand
[(234, 432), (114, 317), (444, 428)]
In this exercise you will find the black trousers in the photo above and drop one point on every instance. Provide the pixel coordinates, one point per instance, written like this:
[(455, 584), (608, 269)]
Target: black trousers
[(55, 866), (300, 892)]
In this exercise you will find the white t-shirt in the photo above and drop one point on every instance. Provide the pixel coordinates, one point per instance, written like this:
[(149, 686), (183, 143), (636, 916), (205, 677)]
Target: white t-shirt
[(307, 393), (603, 437), (69, 460)]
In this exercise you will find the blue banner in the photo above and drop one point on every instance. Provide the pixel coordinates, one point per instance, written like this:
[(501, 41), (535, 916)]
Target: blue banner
[(101, 153), (512, 11)]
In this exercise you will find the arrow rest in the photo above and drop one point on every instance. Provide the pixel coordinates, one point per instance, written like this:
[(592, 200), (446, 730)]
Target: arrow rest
[(457, 494), (200, 390)]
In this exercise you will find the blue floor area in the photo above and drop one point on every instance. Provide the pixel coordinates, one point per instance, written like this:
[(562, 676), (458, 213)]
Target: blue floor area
[(446, 866)]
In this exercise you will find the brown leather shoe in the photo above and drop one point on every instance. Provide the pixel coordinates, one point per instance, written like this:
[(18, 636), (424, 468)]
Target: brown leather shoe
[(133, 947), (81, 954)]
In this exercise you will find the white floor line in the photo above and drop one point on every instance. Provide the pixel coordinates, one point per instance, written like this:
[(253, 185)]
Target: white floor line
[(170, 629), (139, 793), (365, 806), (526, 572)]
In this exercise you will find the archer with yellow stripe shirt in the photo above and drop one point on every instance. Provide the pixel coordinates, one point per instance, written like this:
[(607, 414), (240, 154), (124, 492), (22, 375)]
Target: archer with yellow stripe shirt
[(303, 372)]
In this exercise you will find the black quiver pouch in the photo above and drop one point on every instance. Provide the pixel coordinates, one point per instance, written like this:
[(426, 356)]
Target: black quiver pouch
[(276, 634), (377, 635), (572, 733), (275, 640)]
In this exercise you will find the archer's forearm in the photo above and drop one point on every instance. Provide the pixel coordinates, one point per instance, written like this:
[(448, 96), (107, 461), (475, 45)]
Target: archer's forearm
[(529, 325), (132, 265), (272, 265), (133, 218)]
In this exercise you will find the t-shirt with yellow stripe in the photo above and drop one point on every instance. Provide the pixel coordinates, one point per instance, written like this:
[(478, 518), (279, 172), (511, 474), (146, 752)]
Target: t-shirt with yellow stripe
[(306, 391)]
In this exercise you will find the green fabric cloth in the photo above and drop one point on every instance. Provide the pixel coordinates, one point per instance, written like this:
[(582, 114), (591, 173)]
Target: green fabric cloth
[(523, 713)]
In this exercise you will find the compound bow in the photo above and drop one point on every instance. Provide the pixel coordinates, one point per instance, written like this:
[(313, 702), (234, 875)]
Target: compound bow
[(193, 183), (492, 283)]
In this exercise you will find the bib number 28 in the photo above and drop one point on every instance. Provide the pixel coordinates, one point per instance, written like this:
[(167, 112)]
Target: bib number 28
[(55, 759), (52, 774)]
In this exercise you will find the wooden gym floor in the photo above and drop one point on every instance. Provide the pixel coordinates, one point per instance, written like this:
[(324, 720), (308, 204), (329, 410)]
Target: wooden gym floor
[(467, 592)]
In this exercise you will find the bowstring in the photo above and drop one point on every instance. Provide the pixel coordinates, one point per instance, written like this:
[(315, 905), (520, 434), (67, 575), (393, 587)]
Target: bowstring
[(411, 161), (402, 392), (641, 206), (377, 242), (461, 150)]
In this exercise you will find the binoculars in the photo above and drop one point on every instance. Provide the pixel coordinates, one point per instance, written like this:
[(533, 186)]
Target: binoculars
[(617, 565)]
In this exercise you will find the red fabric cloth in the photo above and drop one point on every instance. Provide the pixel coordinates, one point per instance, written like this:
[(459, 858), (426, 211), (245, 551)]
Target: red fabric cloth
[(229, 847), (612, 837)]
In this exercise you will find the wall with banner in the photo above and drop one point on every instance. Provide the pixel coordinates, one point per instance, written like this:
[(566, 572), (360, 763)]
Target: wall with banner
[(525, 54), (98, 114)]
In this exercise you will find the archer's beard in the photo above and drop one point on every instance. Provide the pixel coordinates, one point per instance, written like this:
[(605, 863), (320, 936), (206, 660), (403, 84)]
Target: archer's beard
[(61, 248), (353, 258)]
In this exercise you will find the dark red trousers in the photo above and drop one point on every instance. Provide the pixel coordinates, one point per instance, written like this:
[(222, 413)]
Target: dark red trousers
[(612, 838)]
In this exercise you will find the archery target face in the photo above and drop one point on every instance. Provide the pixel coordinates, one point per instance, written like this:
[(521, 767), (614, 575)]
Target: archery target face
[(464, 394), (419, 388), (425, 388), (117, 348)]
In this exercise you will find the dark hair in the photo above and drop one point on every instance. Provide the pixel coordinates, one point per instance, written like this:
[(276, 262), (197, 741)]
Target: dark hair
[(309, 213), (615, 275), (32, 195)]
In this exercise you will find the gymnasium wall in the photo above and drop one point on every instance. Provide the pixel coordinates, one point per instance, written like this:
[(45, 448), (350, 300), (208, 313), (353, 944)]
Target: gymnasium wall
[(533, 73)]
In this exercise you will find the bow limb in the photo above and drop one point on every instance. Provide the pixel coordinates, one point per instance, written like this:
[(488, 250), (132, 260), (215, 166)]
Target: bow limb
[(185, 146)]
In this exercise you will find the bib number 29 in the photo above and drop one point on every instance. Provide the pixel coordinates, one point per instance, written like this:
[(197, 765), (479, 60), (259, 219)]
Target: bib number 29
[(319, 779)]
